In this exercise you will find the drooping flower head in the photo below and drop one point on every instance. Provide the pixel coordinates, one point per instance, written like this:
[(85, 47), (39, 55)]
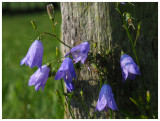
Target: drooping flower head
[(34, 55), (129, 68), (80, 52), (39, 78), (67, 72), (106, 99)]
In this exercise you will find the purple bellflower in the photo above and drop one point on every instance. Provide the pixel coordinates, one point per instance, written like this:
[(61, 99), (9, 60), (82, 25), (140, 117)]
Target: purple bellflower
[(123, 3), (106, 99), (34, 55), (39, 78), (79, 52), (129, 68), (67, 72)]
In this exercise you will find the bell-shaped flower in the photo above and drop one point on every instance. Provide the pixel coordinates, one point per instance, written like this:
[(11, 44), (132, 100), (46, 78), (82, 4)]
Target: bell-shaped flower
[(129, 68), (80, 52), (34, 55), (106, 99), (39, 78), (66, 71)]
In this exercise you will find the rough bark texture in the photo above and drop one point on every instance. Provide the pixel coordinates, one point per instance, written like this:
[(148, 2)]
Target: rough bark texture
[(100, 22)]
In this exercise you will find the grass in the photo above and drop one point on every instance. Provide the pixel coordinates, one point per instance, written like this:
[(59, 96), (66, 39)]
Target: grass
[(18, 99)]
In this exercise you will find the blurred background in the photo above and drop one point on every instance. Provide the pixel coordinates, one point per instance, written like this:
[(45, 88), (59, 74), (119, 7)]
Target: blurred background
[(18, 99)]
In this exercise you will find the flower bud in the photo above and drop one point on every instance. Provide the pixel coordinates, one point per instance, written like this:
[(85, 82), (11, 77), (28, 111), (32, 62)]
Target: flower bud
[(95, 45), (50, 10), (122, 53), (81, 92), (139, 24), (128, 16), (34, 24), (148, 96), (57, 51)]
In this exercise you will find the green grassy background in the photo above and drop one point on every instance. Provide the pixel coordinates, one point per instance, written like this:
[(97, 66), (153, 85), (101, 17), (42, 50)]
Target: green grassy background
[(18, 99)]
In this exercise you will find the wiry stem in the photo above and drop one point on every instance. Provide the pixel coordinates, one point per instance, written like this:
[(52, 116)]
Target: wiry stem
[(55, 36), (81, 101), (73, 117), (128, 33)]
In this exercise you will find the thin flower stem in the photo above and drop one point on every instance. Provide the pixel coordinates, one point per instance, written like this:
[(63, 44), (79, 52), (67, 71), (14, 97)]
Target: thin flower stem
[(128, 33), (138, 31), (110, 114), (71, 112), (133, 45), (62, 86), (55, 36), (63, 106), (95, 115), (68, 102), (81, 101), (52, 24)]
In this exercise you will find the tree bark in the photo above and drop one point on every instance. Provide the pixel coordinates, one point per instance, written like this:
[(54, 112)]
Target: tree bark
[(101, 23)]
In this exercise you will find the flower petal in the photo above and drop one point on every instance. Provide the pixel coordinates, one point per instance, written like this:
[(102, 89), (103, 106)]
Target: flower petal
[(59, 75), (23, 60), (83, 58), (32, 81), (70, 86), (101, 104), (124, 75), (131, 76), (39, 78), (67, 54), (67, 77), (37, 86), (112, 104)]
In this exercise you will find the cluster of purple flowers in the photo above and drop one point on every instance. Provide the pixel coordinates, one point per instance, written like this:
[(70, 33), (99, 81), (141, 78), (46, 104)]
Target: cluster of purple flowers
[(66, 71), (129, 70), (34, 58)]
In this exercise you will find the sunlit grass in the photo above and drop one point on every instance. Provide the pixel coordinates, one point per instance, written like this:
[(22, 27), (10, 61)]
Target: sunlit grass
[(18, 99)]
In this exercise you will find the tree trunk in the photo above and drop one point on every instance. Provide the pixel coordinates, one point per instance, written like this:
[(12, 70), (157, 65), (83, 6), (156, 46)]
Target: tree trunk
[(101, 23)]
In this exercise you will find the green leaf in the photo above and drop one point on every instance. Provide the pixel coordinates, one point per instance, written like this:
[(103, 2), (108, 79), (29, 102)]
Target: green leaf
[(148, 96), (134, 101), (139, 25)]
